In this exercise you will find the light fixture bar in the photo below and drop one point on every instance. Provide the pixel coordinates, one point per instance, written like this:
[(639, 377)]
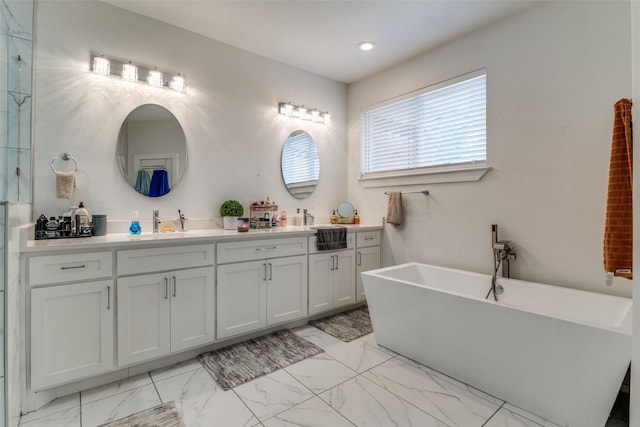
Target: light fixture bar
[(303, 113), (137, 73)]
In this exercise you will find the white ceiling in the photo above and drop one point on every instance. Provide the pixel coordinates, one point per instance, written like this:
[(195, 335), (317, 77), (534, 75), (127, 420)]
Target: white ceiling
[(322, 36)]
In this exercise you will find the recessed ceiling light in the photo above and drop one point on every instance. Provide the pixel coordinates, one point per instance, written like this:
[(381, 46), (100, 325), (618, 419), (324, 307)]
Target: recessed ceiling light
[(366, 45)]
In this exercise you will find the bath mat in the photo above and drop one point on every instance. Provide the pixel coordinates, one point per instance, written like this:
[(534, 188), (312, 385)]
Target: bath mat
[(165, 415), (346, 326), (234, 365)]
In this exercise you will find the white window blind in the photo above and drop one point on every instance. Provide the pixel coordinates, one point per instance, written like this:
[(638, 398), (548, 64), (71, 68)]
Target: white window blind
[(440, 126), (300, 161)]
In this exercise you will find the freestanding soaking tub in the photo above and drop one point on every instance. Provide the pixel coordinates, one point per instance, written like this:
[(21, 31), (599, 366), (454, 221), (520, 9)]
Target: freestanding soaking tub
[(559, 353)]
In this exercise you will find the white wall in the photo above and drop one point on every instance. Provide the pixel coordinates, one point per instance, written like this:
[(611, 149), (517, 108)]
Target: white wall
[(634, 412), (553, 75), (229, 115)]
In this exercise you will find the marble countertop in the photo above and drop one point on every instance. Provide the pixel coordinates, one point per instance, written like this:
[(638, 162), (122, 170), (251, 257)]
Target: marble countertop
[(211, 235)]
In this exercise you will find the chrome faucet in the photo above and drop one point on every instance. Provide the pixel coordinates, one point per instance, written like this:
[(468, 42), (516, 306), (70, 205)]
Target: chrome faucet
[(156, 221), (307, 218), (503, 253)]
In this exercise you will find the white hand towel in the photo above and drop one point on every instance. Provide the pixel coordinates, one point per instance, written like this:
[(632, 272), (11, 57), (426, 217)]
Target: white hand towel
[(65, 184)]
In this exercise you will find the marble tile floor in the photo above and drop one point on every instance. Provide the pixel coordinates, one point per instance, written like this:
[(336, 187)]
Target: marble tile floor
[(351, 384)]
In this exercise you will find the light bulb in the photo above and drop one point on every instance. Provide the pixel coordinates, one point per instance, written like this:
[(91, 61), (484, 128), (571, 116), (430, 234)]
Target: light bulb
[(366, 45), (326, 117), (177, 83), (155, 78), (129, 72), (101, 66)]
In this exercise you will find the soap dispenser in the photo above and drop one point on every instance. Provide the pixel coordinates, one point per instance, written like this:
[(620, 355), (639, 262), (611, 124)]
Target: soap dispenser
[(356, 218), (135, 230), (334, 218), (83, 226)]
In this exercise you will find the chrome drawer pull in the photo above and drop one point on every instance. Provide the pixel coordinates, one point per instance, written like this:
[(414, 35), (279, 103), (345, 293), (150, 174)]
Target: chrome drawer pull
[(72, 267), (359, 258), (266, 248), (174, 286), (166, 288), (369, 238), (108, 297)]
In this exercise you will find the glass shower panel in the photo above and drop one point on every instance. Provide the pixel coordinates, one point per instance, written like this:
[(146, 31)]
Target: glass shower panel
[(18, 174), (16, 53), (19, 116), (19, 61)]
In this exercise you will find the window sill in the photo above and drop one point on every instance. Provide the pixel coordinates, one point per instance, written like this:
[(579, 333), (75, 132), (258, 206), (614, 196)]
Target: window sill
[(468, 174)]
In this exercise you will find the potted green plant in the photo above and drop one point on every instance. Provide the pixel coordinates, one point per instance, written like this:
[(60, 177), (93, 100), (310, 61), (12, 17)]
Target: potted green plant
[(230, 210)]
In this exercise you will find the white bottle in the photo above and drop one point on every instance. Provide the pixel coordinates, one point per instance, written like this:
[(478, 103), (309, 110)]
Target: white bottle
[(83, 216), (298, 218)]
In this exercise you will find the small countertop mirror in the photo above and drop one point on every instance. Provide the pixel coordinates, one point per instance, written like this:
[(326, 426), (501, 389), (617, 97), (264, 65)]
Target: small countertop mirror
[(300, 164), (152, 150), (345, 210)]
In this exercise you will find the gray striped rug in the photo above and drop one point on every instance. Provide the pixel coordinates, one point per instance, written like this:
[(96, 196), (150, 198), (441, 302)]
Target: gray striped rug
[(346, 326), (234, 365), (165, 415)]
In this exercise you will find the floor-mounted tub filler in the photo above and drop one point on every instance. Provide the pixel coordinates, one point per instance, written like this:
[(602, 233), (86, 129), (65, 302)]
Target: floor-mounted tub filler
[(559, 353)]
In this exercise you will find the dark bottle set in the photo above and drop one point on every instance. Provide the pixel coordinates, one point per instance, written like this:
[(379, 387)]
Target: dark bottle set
[(73, 224)]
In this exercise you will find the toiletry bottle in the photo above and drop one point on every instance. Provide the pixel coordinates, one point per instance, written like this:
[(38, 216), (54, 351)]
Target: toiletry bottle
[(298, 218), (83, 216), (356, 218), (283, 218), (135, 230), (334, 218)]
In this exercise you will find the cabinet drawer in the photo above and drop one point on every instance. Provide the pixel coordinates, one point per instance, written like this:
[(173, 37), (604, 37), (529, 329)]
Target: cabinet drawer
[(261, 249), (368, 238), (137, 261), (70, 267), (313, 243)]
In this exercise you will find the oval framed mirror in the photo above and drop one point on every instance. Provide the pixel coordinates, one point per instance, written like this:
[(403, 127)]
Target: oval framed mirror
[(300, 164), (345, 210), (152, 150)]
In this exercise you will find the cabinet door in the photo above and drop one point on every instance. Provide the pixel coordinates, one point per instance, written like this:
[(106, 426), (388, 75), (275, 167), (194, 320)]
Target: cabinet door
[(320, 282), (286, 289), (143, 317), (344, 278), (71, 332), (241, 298), (192, 308), (367, 259)]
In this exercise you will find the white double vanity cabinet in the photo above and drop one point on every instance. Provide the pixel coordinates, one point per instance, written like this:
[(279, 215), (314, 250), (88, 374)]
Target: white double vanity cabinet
[(106, 304)]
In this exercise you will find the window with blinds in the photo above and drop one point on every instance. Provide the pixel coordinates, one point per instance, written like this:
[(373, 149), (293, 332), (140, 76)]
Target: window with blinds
[(300, 161), (443, 125)]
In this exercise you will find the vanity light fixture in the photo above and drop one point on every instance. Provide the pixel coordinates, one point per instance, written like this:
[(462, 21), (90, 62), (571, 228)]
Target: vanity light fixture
[(286, 108), (129, 72), (303, 113), (177, 83), (154, 78), (137, 73), (101, 65)]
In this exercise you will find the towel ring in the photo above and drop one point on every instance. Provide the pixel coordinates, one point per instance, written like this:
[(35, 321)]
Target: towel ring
[(65, 157)]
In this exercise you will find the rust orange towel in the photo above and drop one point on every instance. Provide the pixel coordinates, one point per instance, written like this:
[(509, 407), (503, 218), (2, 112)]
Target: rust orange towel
[(618, 231)]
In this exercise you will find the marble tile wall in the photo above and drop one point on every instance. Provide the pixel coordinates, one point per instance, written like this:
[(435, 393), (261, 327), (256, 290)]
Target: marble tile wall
[(16, 59)]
